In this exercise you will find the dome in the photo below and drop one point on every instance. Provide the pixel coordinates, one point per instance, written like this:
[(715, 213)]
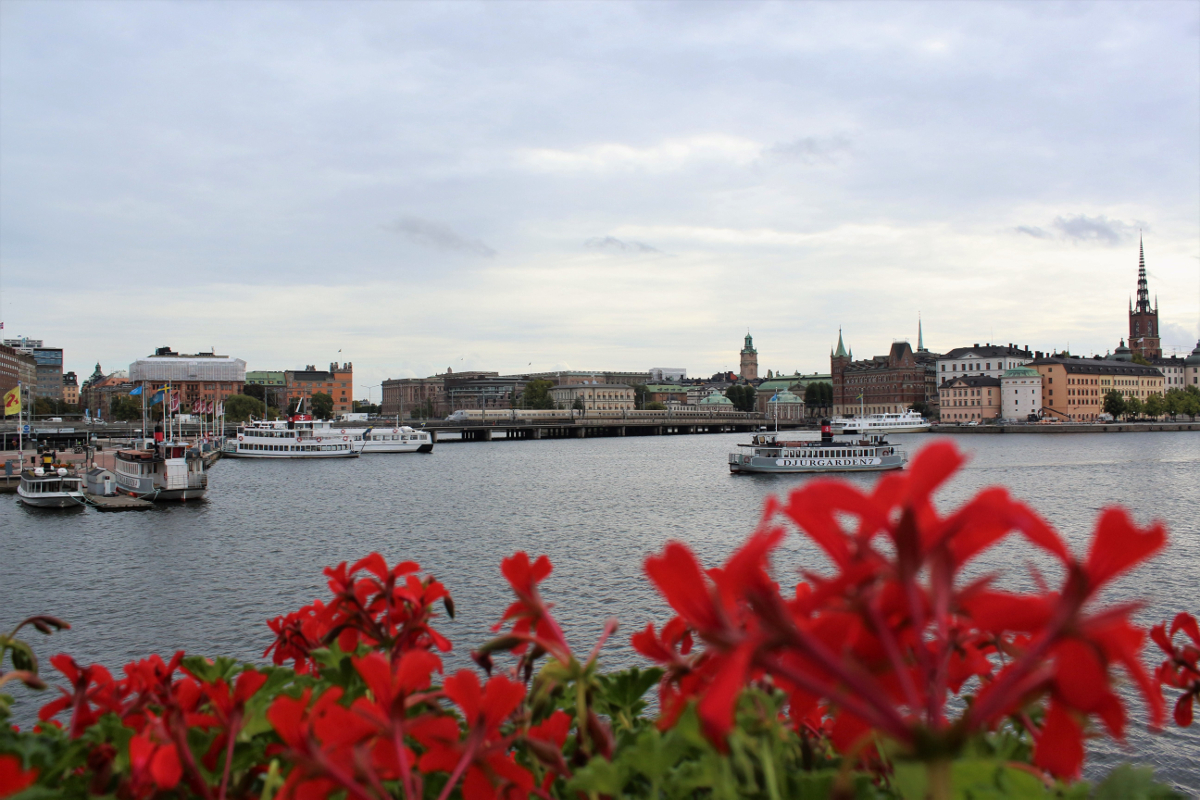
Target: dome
[(1194, 359), (1021, 372), (785, 397), (716, 399), (1122, 353)]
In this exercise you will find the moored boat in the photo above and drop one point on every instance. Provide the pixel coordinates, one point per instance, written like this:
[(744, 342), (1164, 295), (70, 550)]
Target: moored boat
[(773, 452), (300, 436), (51, 488), (402, 439), (169, 470), (908, 422)]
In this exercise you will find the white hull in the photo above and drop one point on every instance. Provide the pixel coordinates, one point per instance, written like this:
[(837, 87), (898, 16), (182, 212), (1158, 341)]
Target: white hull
[(908, 422), (768, 452), (52, 500), (397, 440), (304, 439)]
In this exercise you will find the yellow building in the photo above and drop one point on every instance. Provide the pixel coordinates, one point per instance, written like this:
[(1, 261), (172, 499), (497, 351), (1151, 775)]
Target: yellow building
[(1073, 387), (595, 396)]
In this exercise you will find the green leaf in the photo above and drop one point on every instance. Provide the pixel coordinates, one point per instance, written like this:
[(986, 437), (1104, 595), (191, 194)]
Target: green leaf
[(22, 656), (599, 776), (1127, 782)]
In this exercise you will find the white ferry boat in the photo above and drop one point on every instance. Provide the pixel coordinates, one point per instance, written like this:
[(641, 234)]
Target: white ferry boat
[(397, 440), (300, 436), (908, 422), (170, 470), (771, 452), (53, 488)]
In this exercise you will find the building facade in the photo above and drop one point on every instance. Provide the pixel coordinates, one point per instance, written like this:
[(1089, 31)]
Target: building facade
[(49, 362), (748, 360), (992, 360), (595, 397), (582, 377), (403, 397), (667, 374), (969, 398), (1020, 393), (1143, 321), (1073, 388), (878, 385), (337, 382), (197, 377), (784, 406), (1191, 368), (70, 389), (16, 367), (669, 394), (100, 389)]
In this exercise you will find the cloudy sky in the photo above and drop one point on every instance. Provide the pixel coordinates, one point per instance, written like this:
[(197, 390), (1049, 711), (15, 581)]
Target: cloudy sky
[(521, 187)]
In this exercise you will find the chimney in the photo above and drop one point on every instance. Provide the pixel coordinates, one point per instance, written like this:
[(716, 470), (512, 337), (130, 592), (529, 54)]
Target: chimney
[(977, 345)]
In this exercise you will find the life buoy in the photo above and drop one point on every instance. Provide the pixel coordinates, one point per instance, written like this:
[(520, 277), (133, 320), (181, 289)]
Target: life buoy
[(240, 437), (318, 438), (395, 430), (343, 430), (345, 438)]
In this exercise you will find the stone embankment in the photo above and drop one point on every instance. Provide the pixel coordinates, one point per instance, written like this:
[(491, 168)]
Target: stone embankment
[(1072, 427)]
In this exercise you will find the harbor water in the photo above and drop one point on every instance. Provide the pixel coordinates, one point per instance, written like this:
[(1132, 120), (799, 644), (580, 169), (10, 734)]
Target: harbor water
[(205, 576)]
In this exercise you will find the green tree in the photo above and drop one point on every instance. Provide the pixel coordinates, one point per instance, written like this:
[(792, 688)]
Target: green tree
[(578, 404), (1155, 406), (639, 395), (1173, 402), (239, 408), (125, 409), (654, 405), (255, 390), (322, 406), (537, 394), (742, 396), (1114, 403), (920, 407), (1133, 407), (1138, 358)]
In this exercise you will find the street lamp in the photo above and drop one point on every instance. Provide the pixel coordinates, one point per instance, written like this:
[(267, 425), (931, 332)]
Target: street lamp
[(369, 388)]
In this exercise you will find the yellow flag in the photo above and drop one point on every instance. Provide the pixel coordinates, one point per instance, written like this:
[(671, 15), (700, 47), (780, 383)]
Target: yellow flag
[(12, 401)]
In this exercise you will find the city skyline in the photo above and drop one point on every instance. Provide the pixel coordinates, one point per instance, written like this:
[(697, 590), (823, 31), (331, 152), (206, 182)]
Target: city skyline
[(615, 186)]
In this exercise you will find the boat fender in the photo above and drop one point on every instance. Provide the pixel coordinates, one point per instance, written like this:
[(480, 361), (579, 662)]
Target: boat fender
[(345, 438), (343, 430)]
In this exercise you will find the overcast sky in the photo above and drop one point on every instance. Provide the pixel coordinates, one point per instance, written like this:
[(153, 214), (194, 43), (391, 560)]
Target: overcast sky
[(523, 187)]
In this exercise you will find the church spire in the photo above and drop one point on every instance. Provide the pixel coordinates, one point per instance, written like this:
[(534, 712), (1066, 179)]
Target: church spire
[(841, 348), (920, 335), (1143, 292)]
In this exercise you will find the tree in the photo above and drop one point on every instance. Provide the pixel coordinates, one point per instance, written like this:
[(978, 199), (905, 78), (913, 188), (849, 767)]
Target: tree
[(1133, 407), (1138, 358), (920, 407), (1155, 406), (537, 394), (125, 409), (742, 396), (1114, 403), (255, 390), (578, 404), (654, 405), (322, 406), (239, 408), (639, 395), (366, 407)]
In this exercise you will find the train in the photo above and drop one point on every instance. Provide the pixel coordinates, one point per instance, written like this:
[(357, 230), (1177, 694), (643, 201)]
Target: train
[(557, 414)]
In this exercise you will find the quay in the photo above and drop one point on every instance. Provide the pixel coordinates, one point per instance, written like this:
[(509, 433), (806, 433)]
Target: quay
[(1071, 427)]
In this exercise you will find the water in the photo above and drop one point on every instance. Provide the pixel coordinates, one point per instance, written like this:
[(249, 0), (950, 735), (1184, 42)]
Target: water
[(204, 577)]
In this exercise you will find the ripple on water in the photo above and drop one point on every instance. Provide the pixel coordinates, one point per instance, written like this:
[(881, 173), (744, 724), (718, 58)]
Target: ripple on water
[(204, 577)]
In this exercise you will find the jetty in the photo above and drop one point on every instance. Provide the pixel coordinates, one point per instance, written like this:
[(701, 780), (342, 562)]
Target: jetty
[(117, 502)]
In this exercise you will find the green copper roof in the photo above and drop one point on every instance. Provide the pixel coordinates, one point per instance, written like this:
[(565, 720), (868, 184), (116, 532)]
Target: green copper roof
[(716, 399), (785, 397), (1194, 358), (841, 348), (1020, 372)]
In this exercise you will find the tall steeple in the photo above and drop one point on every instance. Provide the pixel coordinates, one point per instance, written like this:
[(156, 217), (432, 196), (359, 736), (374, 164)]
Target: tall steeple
[(841, 348), (1143, 292), (920, 335)]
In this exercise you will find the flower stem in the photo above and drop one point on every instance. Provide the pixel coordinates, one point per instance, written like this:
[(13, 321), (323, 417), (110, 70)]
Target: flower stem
[(941, 783)]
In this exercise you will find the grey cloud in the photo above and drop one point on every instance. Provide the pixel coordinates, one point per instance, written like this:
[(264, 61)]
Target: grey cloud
[(611, 244), (1094, 229), (811, 149), (1037, 233), (437, 236)]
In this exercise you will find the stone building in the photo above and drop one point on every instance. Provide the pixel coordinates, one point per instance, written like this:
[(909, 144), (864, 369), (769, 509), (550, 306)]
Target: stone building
[(669, 394), (16, 367), (595, 397), (1073, 387), (404, 397), (1191, 368), (992, 360), (967, 398), (337, 382), (784, 406), (1020, 393), (748, 365), (70, 389), (882, 384), (1143, 321), (196, 376)]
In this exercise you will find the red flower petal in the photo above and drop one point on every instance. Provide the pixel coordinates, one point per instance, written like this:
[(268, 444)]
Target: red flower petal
[(165, 767), (463, 688), (13, 777), (1183, 710), (1187, 623), (1059, 746), (1080, 675), (683, 583), (1118, 546)]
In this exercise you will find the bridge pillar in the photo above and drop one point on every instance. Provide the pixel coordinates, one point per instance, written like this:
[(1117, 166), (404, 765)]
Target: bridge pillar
[(535, 433), (486, 434), (658, 430), (433, 436), (621, 431), (580, 432)]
